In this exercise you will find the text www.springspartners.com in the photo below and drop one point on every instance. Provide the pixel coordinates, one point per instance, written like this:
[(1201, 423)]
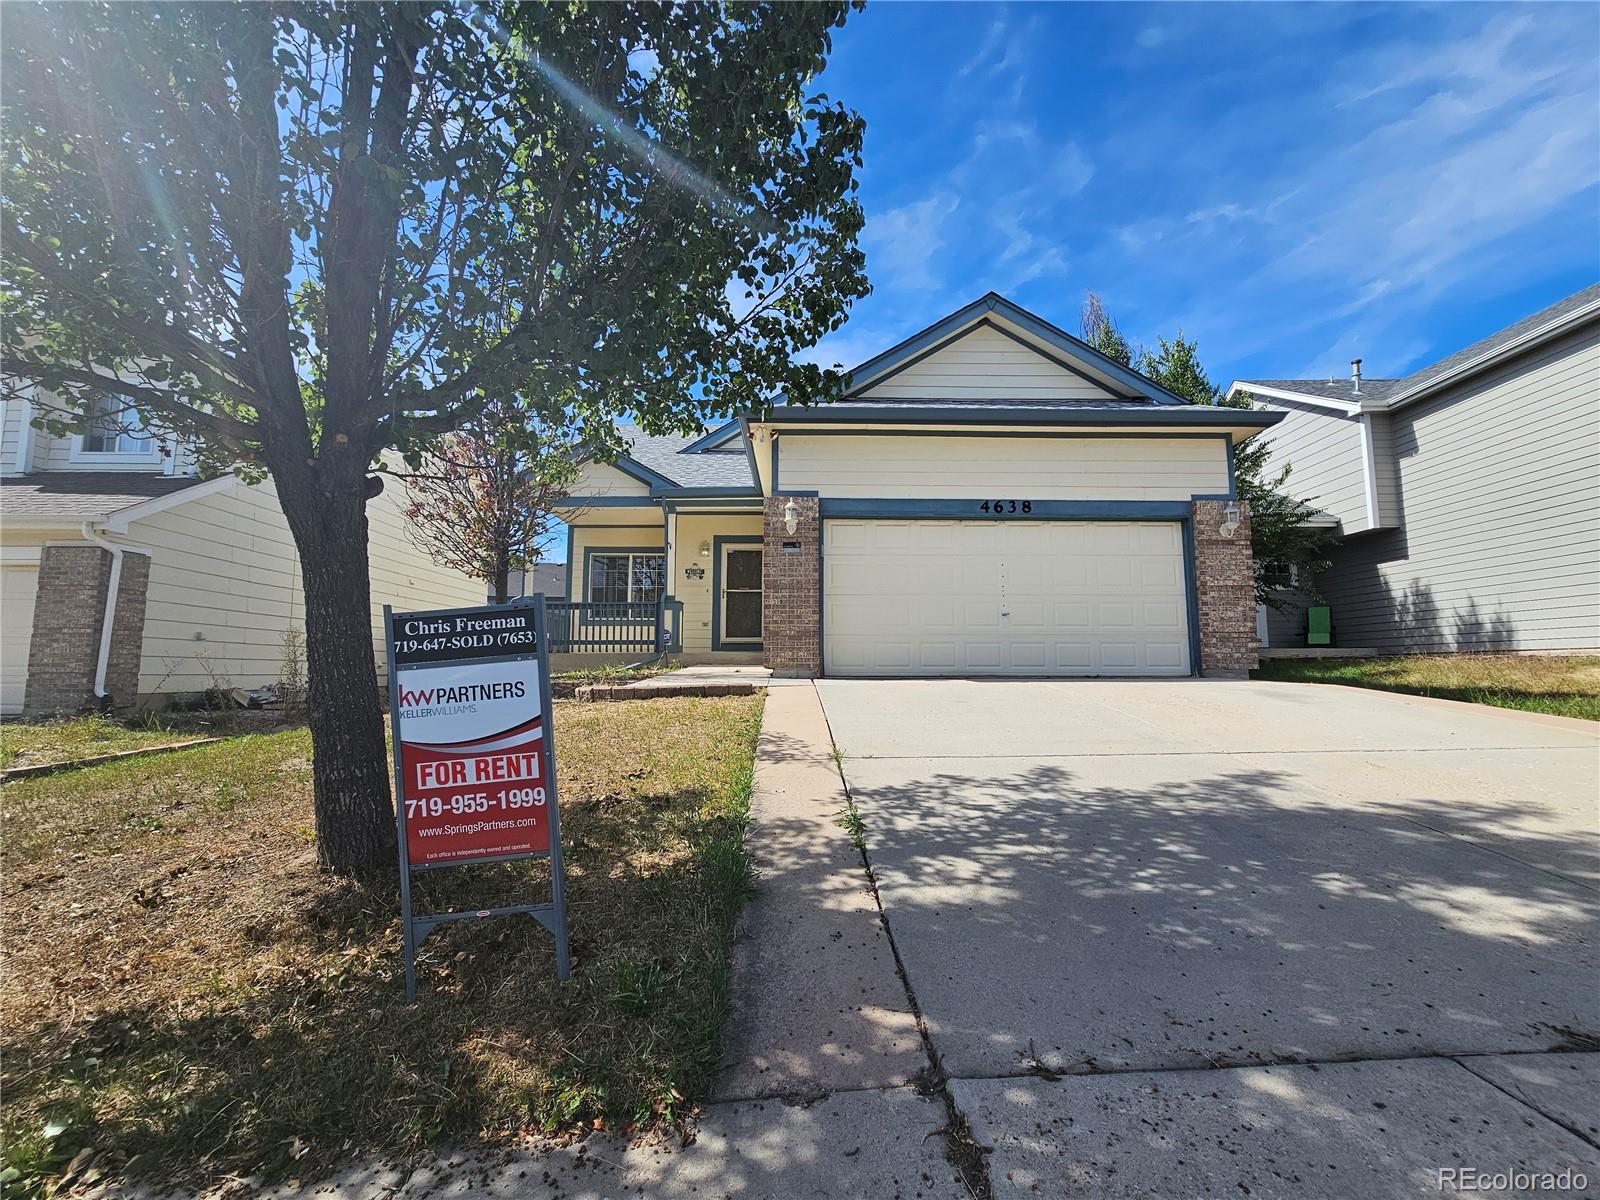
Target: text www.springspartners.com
[(476, 827)]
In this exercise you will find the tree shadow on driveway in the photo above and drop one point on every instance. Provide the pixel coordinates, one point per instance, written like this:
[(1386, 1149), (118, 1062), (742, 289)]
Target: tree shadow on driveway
[(1173, 911)]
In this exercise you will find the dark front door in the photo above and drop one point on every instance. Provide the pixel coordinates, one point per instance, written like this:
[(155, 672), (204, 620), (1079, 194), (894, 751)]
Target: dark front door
[(741, 595)]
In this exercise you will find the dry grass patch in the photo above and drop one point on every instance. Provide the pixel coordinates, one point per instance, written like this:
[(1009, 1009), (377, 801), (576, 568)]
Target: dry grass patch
[(182, 988), (1562, 685), (26, 744)]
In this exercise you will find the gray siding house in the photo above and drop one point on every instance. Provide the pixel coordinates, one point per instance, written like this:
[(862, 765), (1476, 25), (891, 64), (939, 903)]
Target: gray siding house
[(1466, 496)]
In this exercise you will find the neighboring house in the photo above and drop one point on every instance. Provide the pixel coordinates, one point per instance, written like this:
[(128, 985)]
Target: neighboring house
[(126, 578), (1466, 496), (547, 578), (990, 497)]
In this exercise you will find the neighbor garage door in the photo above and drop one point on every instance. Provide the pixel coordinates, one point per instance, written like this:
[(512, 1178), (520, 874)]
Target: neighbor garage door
[(1004, 598), (18, 586)]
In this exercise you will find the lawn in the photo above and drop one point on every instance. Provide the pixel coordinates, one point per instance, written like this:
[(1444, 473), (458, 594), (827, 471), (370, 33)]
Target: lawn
[(1564, 686), (24, 744), (186, 998)]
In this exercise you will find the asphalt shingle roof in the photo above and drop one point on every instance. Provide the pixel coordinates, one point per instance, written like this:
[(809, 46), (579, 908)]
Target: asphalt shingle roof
[(85, 495), (1383, 389), (727, 466), (1331, 389)]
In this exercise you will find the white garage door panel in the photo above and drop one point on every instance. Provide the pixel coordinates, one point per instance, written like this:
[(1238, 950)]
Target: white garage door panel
[(1004, 598), (18, 587)]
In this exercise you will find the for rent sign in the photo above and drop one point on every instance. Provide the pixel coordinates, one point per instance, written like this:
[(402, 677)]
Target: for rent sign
[(472, 778), (474, 755)]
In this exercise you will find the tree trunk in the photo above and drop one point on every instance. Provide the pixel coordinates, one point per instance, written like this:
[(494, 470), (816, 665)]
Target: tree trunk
[(349, 759), (502, 579)]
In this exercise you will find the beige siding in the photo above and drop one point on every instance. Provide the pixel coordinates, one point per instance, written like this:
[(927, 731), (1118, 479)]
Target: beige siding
[(404, 575), (599, 479), (606, 537), (1048, 468), (1323, 450), (225, 587), (13, 413), (985, 365), (696, 594), (1500, 485)]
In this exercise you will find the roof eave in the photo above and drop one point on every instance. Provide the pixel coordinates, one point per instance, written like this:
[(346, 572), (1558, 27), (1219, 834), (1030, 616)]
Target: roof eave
[(1534, 337), (1177, 416)]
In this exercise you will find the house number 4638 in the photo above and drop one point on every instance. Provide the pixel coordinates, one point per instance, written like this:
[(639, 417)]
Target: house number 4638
[(1006, 507)]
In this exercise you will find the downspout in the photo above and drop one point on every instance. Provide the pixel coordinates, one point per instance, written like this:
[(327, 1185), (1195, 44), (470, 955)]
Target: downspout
[(106, 621)]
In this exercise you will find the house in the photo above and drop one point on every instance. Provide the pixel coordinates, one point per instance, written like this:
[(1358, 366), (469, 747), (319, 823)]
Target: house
[(1466, 496), (549, 579), (989, 497), (125, 578)]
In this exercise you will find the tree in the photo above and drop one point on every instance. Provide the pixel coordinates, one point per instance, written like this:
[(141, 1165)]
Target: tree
[(481, 500), (1280, 536), (304, 234)]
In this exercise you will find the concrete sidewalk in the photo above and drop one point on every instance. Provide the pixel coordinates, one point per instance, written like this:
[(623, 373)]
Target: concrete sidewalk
[(818, 1005)]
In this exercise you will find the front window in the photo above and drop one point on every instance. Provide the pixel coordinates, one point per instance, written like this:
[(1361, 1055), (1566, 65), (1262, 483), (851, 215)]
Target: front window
[(627, 578), (115, 428)]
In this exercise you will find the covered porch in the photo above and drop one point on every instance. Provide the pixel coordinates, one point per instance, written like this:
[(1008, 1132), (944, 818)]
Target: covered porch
[(654, 577)]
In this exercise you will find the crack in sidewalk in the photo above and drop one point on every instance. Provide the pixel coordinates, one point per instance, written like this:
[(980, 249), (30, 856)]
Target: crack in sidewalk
[(961, 1149)]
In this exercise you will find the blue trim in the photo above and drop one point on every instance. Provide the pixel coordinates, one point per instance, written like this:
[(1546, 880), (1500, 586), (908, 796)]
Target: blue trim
[(690, 492), (606, 502), (1233, 475), (797, 493), (714, 437), (1193, 415), (588, 551), (1191, 589), (1084, 435), (716, 591), (774, 445), (919, 343), (822, 609), (1043, 510), (750, 450)]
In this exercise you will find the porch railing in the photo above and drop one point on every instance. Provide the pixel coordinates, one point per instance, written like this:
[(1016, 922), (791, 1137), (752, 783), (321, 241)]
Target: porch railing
[(581, 627)]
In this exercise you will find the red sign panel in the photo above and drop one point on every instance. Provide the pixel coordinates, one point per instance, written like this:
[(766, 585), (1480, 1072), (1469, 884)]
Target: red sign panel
[(473, 761)]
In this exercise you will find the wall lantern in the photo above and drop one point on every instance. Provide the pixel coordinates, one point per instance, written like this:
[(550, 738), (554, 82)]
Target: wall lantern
[(705, 549), (791, 517), (1230, 520)]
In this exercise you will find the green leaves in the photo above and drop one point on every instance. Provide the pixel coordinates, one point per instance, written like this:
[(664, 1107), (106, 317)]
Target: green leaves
[(416, 208)]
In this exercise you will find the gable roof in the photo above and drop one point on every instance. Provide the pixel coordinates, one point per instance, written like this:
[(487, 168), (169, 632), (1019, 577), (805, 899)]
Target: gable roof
[(1522, 335), (996, 312), (672, 462)]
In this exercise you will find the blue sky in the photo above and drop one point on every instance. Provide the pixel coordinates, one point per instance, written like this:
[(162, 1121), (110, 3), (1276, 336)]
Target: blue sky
[(1294, 185)]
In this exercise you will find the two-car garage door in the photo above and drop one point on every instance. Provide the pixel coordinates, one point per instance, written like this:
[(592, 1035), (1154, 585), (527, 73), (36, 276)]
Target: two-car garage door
[(1004, 598)]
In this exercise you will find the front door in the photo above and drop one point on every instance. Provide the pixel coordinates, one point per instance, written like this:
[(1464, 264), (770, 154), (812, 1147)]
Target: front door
[(741, 596)]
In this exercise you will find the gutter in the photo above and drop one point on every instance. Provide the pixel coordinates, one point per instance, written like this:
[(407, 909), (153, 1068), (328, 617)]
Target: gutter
[(107, 621)]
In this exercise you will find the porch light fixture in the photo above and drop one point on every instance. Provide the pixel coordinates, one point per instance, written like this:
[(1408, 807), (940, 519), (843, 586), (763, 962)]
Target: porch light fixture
[(791, 517), (1230, 520), (705, 549)]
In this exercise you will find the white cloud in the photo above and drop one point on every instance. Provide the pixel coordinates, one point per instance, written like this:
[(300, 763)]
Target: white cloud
[(903, 244), (1443, 151)]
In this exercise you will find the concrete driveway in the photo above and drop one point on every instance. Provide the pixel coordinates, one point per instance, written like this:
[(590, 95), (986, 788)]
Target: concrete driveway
[(1097, 877)]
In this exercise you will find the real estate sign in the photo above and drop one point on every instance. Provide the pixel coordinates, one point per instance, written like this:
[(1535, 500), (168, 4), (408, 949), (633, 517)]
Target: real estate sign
[(469, 701)]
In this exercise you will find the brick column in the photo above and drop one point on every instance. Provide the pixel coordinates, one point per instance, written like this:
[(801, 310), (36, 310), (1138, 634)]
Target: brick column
[(67, 615), (791, 609), (1225, 586)]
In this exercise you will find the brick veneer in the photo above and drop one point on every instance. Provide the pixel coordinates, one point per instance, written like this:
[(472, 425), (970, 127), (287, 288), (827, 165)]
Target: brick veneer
[(1225, 587), (67, 615), (791, 608)]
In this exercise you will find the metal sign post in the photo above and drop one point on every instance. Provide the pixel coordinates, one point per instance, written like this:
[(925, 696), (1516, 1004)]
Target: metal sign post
[(474, 755)]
